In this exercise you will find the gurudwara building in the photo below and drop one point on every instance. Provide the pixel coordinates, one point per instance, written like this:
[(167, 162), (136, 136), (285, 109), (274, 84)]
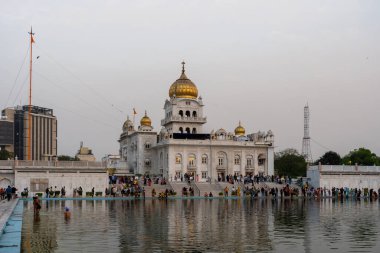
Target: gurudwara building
[(182, 148)]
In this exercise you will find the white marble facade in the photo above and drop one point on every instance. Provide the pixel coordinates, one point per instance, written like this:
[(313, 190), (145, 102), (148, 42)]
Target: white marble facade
[(182, 147), (351, 176)]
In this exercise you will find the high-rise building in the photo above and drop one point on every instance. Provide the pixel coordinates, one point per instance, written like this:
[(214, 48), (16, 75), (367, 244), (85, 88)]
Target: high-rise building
[(43, 132), (6, 132)]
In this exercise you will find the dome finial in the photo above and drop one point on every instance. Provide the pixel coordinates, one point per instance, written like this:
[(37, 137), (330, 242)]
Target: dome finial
[(145, 113), (183, 67)]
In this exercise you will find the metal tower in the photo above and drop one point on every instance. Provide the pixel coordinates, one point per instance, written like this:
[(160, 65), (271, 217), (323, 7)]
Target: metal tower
[(306, 151)]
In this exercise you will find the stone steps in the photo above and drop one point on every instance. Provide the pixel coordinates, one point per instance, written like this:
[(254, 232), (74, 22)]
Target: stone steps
[(207, 187), (158, 188)]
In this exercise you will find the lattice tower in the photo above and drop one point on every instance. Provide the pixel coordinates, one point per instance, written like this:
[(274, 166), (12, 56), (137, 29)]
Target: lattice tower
[(306, 150)]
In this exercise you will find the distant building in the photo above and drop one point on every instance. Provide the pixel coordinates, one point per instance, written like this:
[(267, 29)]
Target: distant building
[(111, 160), (85, 154), (6, 133), (43, 132)]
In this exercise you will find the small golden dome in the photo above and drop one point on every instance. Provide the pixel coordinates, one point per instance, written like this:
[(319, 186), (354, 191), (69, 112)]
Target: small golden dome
[(127, 124), (183, 87), (145, 121), (239, 131)]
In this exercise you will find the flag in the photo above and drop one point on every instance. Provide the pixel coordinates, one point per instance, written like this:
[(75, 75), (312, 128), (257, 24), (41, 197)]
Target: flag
[(32, 39), (134, 111)]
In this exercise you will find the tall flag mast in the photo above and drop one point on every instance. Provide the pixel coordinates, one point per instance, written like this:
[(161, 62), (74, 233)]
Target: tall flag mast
[(30, 97)]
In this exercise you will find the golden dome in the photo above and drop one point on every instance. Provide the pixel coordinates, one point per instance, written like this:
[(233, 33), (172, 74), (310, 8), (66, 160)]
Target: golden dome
[(239, 131), (183, 87), (145, 121)]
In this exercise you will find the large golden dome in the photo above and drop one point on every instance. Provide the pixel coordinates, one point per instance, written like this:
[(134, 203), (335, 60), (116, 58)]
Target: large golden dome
[(239, 130), (183, 87), (145, 121)]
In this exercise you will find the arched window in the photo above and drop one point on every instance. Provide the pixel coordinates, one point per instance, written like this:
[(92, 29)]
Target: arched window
[(194, 114), (178, 158), (187, 130), (147, 145), (204, 159), (191, 160), (222, 159), (188, 113), (181, 113), (194, 130), (181, 130), (249, 161), (148, 163), (237, 160), (261, 159)]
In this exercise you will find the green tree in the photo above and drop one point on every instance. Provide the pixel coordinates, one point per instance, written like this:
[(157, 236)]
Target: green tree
[(67, 158), (361, 156), (330, 158), (5, 154), (289, 163)]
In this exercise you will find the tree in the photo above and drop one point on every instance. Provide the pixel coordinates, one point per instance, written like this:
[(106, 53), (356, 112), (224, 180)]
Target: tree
[(330, 158), (67, 158), (5, 154), (361, 156), (290, 163)]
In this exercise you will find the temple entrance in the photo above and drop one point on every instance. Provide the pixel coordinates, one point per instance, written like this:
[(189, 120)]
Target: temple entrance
[(189, 176), (221, 177)]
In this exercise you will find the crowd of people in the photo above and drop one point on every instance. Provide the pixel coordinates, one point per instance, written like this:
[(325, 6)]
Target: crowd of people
[(8, 193)]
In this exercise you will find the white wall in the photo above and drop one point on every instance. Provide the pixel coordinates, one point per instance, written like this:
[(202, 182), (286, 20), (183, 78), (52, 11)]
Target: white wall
[(68, 179)]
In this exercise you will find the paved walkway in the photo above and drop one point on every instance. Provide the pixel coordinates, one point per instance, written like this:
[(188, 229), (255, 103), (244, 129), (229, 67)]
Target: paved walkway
[(10, 237), (6, 209)]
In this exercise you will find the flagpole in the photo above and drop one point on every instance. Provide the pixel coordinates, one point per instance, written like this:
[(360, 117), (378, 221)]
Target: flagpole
[(134, 114), (30, 98)]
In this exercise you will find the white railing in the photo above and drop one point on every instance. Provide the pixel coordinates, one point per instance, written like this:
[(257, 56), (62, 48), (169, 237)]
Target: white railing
[(184, 119), (57, 164), (346, 168)]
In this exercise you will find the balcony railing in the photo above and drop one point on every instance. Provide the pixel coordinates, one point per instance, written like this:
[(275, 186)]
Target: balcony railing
[(50, 164), (221, 167), (184, 119), (191, 167)]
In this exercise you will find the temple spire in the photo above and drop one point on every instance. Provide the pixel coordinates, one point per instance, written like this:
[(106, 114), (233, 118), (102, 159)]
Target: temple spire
[(183, 67)]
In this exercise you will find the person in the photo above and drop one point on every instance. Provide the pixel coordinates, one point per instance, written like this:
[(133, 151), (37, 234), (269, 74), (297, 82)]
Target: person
[(226, 191), (206, 195), (8, 192), (67, 213), (153, 193), (14, 189), (36, 204), (63, 192), (210, 195), (93, 191), (47, 192)]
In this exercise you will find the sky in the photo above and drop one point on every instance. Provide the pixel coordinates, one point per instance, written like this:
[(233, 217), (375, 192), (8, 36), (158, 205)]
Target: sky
[(259, 62)]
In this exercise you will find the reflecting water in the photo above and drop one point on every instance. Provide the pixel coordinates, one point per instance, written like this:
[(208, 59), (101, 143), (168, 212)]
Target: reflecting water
[(203, 226)]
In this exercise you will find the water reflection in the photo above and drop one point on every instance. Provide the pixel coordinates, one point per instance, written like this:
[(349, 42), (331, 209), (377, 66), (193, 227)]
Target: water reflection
[(203, 225)]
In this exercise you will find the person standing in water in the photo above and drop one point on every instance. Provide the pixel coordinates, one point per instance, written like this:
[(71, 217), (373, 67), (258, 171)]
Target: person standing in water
[(36, 205), (67, 213)]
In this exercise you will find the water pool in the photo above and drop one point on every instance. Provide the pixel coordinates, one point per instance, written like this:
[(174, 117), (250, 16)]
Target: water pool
[(202, 225)]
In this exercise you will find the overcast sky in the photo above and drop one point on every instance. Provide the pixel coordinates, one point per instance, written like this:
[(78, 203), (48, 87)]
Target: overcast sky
[(255, 61)]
